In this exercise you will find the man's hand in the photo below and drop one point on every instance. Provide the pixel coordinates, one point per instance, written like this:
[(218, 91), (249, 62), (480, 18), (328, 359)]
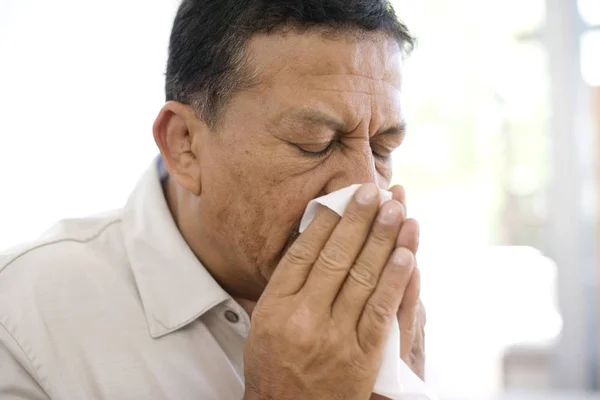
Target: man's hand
[(319, 329)]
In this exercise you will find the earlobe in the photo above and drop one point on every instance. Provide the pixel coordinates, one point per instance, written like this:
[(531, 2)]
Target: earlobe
[(174, 130)]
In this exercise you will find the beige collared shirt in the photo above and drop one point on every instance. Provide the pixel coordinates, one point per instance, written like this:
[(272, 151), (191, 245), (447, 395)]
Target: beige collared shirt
[(117, 307)]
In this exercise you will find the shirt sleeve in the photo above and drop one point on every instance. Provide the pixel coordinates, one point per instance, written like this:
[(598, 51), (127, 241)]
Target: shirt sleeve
[(16, 380)]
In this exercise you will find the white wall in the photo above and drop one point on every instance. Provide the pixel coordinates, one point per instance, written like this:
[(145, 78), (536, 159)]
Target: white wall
[(80, 84)]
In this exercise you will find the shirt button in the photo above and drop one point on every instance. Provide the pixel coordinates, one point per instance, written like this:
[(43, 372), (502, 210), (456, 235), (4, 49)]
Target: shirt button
[(231, 316)]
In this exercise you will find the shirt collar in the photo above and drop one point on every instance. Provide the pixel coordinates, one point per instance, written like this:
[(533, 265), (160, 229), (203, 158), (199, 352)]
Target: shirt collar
[(174, 286)]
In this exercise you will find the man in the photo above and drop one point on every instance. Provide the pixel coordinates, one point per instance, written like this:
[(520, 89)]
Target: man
[(201, 287)]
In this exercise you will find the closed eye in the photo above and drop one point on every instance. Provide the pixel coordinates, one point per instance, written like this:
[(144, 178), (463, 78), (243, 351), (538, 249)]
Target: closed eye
[(379, 152), (380, 156), (317, 153), (382, 152)]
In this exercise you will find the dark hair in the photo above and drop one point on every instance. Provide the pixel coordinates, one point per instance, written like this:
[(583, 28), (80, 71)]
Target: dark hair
[(206, 50)]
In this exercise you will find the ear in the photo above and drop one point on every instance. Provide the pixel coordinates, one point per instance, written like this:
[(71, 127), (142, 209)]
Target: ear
[(178, 133)]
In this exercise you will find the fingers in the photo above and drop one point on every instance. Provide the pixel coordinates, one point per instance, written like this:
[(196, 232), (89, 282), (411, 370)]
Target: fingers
[(409, 235), (417, 355), (342, 248), (382, 306), (408, 312), (408, 316), (291, 273), (363, 276), (399, 194)]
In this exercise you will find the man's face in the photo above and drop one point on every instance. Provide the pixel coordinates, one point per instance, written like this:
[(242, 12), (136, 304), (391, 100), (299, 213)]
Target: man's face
[(326, 114)]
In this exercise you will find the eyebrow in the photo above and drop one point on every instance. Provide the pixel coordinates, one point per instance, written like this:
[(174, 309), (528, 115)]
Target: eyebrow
[(317, 117)]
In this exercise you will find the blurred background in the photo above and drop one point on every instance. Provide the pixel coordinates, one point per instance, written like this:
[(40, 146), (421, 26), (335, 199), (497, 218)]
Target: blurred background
[(502, 99)]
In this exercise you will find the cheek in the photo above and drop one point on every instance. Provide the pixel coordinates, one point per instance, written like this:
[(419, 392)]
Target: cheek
[(257, 201), (282, 207), (259, 208), (266, 224)]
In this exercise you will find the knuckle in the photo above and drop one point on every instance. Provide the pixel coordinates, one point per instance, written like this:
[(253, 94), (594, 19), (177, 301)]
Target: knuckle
[(418, 349), (299, 329), (296, 338), (334, 258), (382, 234), (363, 276), (299, 253), (335, 337), (356, 215), (326, 225), (397, 284), (359, 367), (381, 312), (411, 331)]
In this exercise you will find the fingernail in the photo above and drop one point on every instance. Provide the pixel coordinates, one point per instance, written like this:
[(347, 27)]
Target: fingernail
[(402, 257), (367, 194), (390, 213)]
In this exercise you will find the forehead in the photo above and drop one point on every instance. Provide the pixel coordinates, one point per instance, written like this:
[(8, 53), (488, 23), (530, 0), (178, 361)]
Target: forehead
[(369, 62)]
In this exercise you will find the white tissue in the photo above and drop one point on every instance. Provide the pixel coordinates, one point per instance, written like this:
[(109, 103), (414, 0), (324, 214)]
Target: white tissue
[(395, 380)]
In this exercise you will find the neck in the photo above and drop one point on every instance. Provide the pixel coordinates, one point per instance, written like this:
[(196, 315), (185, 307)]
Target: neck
[(244, 287)]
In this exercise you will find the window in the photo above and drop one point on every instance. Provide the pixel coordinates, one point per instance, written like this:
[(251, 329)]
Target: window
[(475, 164)]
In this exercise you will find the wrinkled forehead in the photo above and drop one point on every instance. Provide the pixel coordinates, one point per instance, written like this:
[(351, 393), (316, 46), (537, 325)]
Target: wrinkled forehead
[(370, 59)]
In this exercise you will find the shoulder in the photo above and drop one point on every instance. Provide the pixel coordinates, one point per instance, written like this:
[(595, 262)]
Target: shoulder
[(69, 258), (61, 298), (62, 244)]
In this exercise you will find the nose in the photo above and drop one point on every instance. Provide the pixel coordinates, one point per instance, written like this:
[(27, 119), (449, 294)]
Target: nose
[(355, 168)]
